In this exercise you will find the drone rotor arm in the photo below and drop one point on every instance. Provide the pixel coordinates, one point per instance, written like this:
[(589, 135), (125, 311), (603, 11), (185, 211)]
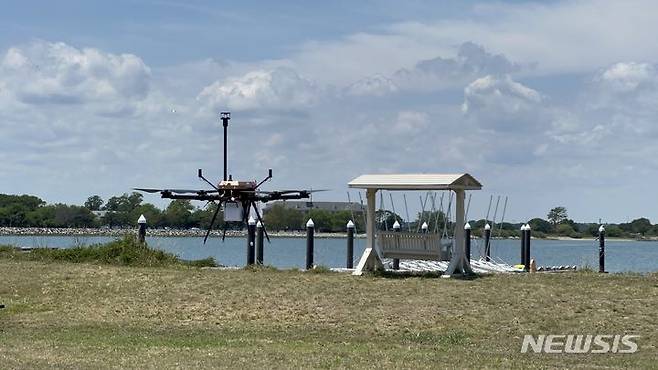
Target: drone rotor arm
[(200, 174), (269, 176)]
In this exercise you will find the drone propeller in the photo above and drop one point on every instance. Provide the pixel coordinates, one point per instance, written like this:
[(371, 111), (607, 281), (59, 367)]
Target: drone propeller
[(190, 191), (298, 191), (175, 191), (147, 190)]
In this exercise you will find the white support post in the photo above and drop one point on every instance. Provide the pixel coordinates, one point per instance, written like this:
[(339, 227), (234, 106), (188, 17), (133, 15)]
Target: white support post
[(371, 217), (370, 260), (459, 265)]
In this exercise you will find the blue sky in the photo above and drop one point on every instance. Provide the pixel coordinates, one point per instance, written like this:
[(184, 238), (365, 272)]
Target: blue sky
[(166, 32), (549, 103)]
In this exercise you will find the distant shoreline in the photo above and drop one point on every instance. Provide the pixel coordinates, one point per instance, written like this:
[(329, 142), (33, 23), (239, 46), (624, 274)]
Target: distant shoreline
[(163, 233), (173, 233), (606, 238)]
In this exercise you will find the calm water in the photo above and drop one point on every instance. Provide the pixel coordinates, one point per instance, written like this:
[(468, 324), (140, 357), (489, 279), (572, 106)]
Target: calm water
[(290, 252)]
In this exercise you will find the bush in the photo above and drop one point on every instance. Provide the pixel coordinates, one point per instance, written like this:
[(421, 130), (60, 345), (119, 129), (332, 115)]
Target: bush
[(565, 230), (126, 251)]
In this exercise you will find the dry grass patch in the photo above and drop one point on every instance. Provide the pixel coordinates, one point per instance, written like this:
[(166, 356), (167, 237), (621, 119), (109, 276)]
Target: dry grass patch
[(81, 315)]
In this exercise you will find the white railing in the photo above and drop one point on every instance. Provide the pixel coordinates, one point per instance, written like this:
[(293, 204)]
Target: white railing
[(413, 246)]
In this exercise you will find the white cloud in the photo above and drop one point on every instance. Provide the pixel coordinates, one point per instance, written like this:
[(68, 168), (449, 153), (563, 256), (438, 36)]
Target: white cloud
[(440, 73), (277, 89), (502, 102), (376, 85), (563, 37), (472, 61), (627, 77), (410, 122), (57, 73), (624, 97)]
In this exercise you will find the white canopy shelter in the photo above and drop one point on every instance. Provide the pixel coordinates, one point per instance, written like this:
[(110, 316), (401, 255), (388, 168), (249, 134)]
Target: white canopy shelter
[(459, 183)]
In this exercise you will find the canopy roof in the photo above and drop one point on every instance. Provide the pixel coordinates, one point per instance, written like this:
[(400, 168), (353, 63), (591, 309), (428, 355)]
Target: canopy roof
[(417, 181)]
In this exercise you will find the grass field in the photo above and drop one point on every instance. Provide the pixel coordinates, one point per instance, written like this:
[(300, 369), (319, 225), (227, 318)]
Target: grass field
[(80, 315)]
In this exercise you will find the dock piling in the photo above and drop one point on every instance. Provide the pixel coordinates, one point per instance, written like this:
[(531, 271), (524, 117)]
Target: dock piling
[(601, 249), (487, 242), (396, 261), (528, 234), (141, 232), (251, 236), (259, 243), (523, 239), (310, 231), (467, 241), (350, 245)]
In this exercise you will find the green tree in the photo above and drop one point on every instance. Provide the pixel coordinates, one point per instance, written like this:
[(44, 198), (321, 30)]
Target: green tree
[(72, 216), (385, 219), (116, 204), (153, 215), (641, 226), (321, 218), (124, 203), (112, 219), (94, 203), (279, 217), (565, 229), (654, 230), (592, 229), (41, 217), (14, 209), (122, 209), (557, 215), (14, 215), (541, 225), (339, 220), (29, 202), (201, 217), (179, 213), (135, 199), (613, 231)]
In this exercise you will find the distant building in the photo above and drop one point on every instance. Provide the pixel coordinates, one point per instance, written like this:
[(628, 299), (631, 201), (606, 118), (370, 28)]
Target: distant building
[(303, 206)]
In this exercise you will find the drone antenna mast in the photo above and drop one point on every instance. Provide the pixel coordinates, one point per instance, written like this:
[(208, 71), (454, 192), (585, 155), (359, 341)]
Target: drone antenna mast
[(225, 116)]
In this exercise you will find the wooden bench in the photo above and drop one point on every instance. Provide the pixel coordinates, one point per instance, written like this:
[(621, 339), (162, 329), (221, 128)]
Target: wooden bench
[(413, 246)]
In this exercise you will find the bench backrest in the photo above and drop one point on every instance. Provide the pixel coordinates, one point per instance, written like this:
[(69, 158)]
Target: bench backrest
[(413, 246)]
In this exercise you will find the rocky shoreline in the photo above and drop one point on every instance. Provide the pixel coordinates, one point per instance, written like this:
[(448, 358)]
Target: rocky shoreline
[(164, 233)]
